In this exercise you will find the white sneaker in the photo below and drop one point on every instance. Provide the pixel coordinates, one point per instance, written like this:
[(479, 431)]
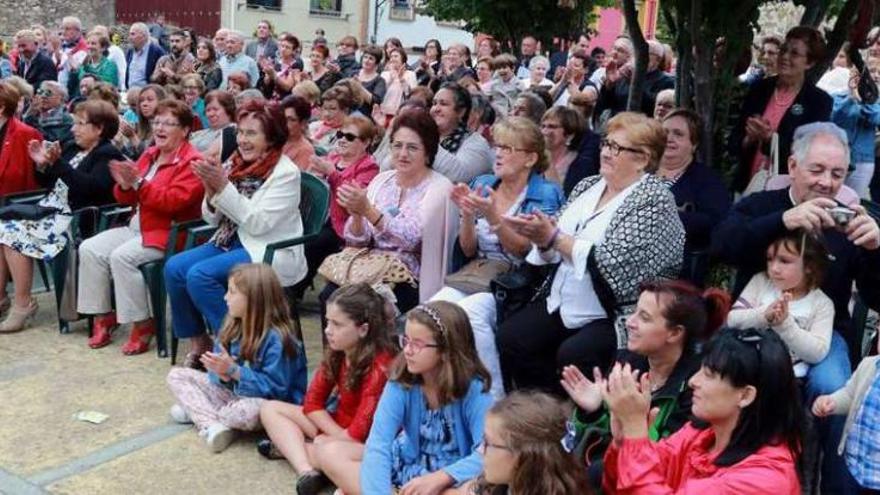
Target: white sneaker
[(179, 415), (219, 437)]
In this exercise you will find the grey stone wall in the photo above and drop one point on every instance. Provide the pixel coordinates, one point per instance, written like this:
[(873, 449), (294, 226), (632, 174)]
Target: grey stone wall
[(19, 14)]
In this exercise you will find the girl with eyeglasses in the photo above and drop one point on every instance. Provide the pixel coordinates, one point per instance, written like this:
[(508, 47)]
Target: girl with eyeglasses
[(748, 436), (522, 454), (355, 368), (430, 417)]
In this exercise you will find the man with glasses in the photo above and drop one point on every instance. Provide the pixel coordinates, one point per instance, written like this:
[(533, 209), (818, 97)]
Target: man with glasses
[(818, 167), (171, 67), (49, 115)]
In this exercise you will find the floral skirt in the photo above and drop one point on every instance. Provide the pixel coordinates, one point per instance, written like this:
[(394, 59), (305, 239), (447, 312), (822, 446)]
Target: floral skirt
[(43, 238)]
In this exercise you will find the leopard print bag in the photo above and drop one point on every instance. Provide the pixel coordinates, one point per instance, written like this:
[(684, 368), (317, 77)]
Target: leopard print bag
[(354, 265)]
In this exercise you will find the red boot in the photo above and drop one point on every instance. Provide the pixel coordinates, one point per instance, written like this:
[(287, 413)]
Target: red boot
[(104, 326), (139, 340)]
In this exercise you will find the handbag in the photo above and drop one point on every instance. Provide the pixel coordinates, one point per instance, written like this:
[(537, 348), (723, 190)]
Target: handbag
[(768, 171), (354, 265), (27, 211), (477, 275)]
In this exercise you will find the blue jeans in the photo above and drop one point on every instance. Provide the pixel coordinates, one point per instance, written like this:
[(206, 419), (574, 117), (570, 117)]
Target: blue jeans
[(196, 283), (825, 377)]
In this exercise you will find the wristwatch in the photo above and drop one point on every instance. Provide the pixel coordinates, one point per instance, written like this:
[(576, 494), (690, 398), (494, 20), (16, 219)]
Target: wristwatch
[(138, 183)]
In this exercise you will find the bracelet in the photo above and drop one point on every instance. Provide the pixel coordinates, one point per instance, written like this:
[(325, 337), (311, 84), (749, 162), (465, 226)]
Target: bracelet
[(232, 369), (376, 223), (550, 244)]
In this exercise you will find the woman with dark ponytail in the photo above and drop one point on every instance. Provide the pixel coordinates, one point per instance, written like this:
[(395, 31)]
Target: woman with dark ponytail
[(672, 320)]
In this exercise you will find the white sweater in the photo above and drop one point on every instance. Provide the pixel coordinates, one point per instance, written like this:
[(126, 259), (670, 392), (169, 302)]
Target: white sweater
[(806, 331)]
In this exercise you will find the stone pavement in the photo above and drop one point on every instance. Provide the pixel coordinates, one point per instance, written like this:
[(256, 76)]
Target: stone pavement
[(46, 378)]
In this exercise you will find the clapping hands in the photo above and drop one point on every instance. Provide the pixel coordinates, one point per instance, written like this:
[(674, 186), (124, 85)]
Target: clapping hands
[(44, 153)]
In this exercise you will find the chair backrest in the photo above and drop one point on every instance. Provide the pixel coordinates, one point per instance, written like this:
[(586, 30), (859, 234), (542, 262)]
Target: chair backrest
[(314, 204)]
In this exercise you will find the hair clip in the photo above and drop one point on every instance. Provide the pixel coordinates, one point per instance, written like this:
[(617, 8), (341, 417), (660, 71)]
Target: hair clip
[(434, 316)]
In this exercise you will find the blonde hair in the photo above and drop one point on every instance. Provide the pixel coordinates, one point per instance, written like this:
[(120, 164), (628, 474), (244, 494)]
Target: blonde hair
[(266, 311), (644, 132), (526, 135), (308, 90)]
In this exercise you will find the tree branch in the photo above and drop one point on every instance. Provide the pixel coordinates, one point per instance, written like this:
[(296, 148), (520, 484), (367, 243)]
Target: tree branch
[(640, 49)]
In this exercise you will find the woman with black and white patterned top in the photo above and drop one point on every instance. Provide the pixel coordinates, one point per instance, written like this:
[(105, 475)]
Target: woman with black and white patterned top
[(617, 230)]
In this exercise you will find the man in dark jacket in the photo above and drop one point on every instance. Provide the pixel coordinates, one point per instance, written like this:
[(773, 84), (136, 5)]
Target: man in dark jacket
[(142, 57), (615, 90), (33, 65), (818, 166)]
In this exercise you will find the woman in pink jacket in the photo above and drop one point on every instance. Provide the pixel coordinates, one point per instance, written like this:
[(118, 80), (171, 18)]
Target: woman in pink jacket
[(747, 437)]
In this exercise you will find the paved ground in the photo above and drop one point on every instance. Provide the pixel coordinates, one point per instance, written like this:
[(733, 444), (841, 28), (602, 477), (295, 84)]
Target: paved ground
[(46, 378)]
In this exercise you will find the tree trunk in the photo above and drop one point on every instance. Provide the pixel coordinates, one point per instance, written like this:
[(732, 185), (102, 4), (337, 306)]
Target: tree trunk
[(814, 12), (640, 54), (704, 102)]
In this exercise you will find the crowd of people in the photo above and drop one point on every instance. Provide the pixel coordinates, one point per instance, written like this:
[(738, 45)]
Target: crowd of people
[(511, 272)]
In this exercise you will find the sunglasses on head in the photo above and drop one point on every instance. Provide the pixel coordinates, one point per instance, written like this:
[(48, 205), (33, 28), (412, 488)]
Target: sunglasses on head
[(347, 135)]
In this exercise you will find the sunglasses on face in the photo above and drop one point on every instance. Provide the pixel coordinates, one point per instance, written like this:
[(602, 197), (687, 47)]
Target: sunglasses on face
[(347, 135)]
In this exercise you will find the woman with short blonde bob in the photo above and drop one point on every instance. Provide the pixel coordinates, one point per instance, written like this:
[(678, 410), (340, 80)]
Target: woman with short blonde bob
[(618, 229), (517, 186)]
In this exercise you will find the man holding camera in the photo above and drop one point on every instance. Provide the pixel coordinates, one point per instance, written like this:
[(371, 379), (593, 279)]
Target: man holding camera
[(817, 166)]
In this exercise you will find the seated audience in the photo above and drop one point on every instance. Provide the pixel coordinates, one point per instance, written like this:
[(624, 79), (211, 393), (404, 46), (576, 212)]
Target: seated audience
[(617, 230), (162, 188), (463, 155), (253, 200)]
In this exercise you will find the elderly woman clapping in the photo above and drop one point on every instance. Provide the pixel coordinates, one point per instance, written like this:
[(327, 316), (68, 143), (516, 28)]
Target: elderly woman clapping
[(617, 230)]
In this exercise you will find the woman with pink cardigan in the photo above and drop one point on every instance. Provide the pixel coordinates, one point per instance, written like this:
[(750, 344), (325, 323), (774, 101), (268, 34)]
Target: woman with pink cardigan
[(405, 212)]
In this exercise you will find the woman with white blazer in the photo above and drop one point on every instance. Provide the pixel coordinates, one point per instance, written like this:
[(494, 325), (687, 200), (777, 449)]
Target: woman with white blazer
[(253, 200)]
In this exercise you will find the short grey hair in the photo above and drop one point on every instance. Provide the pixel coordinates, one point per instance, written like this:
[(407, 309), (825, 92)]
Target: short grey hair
[(55, 87), (249, 94), (235, 34), (537, 59), (140, 27), (74, 21), (805, 134)]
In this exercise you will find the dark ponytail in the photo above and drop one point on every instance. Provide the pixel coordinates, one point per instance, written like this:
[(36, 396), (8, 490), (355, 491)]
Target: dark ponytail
[(700, 313)]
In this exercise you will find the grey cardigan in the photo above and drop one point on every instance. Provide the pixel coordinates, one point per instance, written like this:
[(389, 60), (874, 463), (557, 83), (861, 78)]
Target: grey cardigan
[(849, 399)]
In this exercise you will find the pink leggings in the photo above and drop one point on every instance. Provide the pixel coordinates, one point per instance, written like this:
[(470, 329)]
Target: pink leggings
[(208, 403)]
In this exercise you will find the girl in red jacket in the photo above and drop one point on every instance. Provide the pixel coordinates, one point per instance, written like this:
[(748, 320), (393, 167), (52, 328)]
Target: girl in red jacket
[(359, 351), (749, 430)]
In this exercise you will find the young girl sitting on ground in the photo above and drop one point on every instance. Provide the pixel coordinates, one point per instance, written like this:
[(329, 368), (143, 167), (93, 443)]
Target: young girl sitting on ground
[(355, 367), (430, 417), (256, 357), (521, 450), (786, 297)]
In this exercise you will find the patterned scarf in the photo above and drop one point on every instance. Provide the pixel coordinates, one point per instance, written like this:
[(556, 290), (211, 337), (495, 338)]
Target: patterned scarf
[(452, 142), (246, 178)]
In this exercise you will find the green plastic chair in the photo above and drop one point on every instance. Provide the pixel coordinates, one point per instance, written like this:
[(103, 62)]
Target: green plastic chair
[(154, 277), (314, 208)]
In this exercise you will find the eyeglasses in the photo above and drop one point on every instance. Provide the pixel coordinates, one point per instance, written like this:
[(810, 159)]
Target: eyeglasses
[(415, 344), (503, 148), (165, 123), (484, 445), (45, 93), (791, 52), (347, 135), (411, 149), (192, 87), (615, 148)]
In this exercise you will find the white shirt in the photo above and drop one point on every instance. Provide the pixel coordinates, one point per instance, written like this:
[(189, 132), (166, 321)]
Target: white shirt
[(118, 57), (572, 283)]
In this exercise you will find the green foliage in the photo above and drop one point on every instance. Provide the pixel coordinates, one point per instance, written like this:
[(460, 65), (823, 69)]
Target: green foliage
[(508, 20)]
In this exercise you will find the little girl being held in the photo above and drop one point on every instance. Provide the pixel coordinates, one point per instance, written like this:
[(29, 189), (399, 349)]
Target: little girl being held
[(786, 297), (430, 417), (355, 368), (256, 357)]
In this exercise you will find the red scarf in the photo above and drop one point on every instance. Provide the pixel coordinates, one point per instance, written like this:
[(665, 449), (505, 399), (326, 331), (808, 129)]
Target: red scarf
[(259, 168)]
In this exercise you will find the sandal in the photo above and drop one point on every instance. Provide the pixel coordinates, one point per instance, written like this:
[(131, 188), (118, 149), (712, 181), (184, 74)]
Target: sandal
[(139, 340), (312, 482), (102, 331)]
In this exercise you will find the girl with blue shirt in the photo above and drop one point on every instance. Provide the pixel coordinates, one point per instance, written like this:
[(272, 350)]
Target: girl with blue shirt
[(256, 357), (430, 417)]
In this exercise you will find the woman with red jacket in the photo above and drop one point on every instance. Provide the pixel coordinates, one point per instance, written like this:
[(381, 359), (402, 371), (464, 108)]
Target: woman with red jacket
[(163, 189), (16, 166), (746, 439)]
